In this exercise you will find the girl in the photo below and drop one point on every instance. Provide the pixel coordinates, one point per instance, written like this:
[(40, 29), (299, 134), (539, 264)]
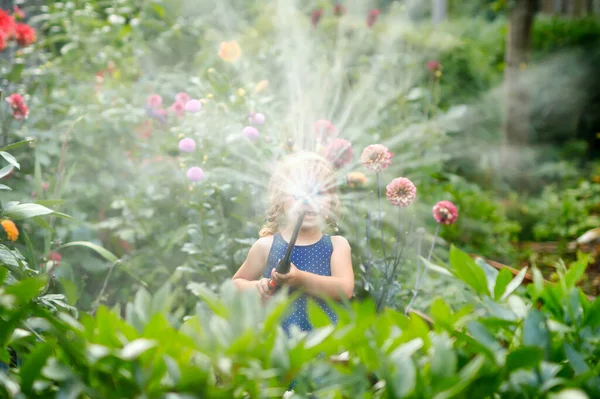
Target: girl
[(321, 264)]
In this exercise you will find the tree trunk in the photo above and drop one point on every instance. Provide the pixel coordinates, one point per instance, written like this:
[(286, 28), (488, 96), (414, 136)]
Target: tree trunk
[(439, 12), (518, 46)]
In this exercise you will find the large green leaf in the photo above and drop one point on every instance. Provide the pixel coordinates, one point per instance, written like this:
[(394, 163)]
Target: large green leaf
[(468, 271), (514, 284), (106, 254), (524, 357), (18, 211), (504, 277), (10, 159), (576, 271), (535, 331), (16, 145), (591, 317)]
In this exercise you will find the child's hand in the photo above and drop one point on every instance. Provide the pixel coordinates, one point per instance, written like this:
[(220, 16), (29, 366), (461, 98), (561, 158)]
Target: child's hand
[(262, 286), (291, 278)]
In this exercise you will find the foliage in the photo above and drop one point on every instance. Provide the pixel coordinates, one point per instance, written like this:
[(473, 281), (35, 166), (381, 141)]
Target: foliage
[(512, 341)]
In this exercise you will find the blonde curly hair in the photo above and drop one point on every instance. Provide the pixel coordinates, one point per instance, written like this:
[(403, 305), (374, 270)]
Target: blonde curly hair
[(299, 165)]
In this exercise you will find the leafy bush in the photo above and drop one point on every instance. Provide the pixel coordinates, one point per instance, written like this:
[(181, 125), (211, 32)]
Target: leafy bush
[(513, 342)]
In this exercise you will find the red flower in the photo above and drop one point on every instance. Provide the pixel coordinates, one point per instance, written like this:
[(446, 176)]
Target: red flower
[(2, 42), (18, 14), (7, 25), (54, 256), (25, 34), (316, 17), (325, 131), (339, 9), (19, 108), (372, 17), (445, 212), (433, 66)]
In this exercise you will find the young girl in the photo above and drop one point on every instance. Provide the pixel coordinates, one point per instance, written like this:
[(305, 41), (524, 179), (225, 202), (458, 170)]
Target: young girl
[(321, 264)]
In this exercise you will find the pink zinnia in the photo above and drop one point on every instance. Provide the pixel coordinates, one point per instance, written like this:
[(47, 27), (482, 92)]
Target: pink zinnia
[(316, 17), (401, 192), (445, 212), (182, 97), (433, 66), (372, 17), (256, 118), (20, 110), (195, 173), (193, 106), (187, 145), (250, 132), (325, 130), (154, 101), (376, 157), (178, 108), (339, 153)]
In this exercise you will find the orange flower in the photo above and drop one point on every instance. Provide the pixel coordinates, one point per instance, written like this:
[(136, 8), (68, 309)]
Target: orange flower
[(230, 51), (11, 230), (260, 86), (356, 179)]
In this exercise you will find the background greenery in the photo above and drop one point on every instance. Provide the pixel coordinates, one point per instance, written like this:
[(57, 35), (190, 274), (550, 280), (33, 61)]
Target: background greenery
[(147, 239)]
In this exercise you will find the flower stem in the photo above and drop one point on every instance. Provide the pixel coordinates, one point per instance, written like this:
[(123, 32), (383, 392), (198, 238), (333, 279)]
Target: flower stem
[(385, 262), (419, 280)]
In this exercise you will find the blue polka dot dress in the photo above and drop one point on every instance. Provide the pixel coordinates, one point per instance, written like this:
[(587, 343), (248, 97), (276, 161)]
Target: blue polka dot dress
[(314, 258)]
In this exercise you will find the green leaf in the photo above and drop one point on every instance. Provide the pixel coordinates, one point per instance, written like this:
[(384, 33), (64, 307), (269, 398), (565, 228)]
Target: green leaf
[(576, 360), (6, 170), (10, 159), (161, 301), (16, 145), (514, 284), (468, 374), (467, 270), (535, 331), (538, 282), (5, 187), (575, 272), (15, 74), (106, 254), (524, 357), (135, 348), (591, 317), (502, 281), (32, 366), (444, 362), (317, 316), (17, 211)]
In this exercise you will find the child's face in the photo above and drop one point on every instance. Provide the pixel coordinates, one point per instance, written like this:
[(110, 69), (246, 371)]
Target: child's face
[(314, 201)]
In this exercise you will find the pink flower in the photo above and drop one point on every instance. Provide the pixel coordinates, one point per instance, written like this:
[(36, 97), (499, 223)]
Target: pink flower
[(54, 256), (18, 14), (187, 145), (316, 17), (376, 157), (372, 17), (268, 139), (401, 192), (433, 66), (339, 153), (195, 173), (20, 110), (193, 106), (339, 9), (256, 118), (325, 130), (445, 212), (250, 132), (154, 101), (182, 97), (178, 108)]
